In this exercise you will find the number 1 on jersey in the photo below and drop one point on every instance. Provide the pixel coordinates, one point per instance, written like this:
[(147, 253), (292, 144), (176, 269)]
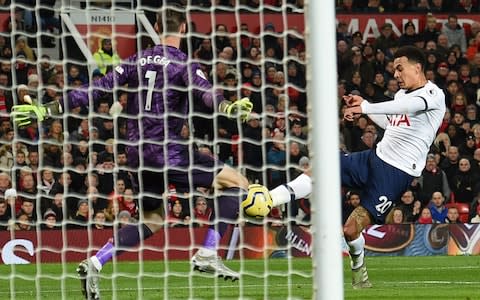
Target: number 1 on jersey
[(151, 76)]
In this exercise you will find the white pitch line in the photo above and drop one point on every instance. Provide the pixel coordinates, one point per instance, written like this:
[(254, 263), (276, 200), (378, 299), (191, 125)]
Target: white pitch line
[(415, 282), (56, 291), (427, 268), (430, 282)]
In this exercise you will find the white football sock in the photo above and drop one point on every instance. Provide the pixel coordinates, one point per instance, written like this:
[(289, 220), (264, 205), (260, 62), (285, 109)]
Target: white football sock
[(207, 252), (357, 252), (96, 263), (300, 186)]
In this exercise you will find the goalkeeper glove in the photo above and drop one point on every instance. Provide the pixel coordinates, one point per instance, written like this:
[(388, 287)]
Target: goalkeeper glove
[(241, 108), (116, 109), (23, 114)]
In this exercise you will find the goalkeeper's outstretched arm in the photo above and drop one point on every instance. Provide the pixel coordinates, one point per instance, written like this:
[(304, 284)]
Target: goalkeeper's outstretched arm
[(23, 114)]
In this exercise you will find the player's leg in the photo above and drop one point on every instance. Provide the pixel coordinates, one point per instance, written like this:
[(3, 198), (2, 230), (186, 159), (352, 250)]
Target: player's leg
[(230, 186), (358, 220), (381, 185), (128, 236), (298, 188)]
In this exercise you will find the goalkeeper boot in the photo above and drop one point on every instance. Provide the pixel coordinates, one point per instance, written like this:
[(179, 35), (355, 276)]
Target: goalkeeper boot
[(89, 280), (213, 265), (360, 278)]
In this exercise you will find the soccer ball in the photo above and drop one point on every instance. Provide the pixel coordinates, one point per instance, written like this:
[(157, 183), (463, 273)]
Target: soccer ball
[(258, 202)]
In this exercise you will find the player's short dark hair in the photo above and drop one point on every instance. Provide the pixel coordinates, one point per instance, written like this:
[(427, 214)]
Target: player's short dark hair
[(413, 54), (170, 18)]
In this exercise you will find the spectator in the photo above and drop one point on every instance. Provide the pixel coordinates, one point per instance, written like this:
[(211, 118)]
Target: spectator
[(395, 216), (438, 6), (442, 46), (57, 206), (47, 180), (452, 215), (464, 181), (345, 6), (61, 185), (476, 159), (352, 201), (33, 82), (124, 218), (386, 40), (28, 187), (368, 139), (98, 202), (52, 155), (80, 220), (47, 70), (409, 36), (23, 223), (205, 52), (23, 48), (12, 199), (112, 211), (392, 88), (99, 220), (455, 130), (49, 220), (50, 94), (252, 148), (357, 65), (20, 159), (476, 218), (438, 208), (202, 211), (129, 204), (425, 216), (357, 131), (431, 31), (105, 176), (296, 153), (276, 158), (465, 7), (410, 207), (459, 103), (472, 86), (455, 33), (221, 37), (176, 216), (471, 116), (467, 149), (342, 32), (104, 57), (5, 214), (75, 78), (450, 164)]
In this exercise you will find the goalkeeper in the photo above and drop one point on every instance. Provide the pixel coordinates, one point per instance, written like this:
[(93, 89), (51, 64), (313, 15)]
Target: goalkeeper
[(159, 107)]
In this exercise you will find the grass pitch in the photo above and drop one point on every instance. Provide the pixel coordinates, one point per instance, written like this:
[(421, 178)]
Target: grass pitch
[(438, 277)]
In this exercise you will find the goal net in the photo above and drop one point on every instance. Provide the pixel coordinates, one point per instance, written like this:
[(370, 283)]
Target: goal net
[(67, 181)]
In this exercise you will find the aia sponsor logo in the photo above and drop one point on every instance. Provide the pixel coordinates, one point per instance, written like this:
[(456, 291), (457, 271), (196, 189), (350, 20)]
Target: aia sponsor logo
[(398, 120)]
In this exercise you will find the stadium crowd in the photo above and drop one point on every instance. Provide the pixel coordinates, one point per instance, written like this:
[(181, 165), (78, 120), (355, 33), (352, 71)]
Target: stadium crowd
[(74, 168)]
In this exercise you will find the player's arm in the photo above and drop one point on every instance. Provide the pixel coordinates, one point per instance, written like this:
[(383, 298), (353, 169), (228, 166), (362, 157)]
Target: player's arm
[(117, 77), (397, 106), (23, 114), (380, 120), (203, 90)]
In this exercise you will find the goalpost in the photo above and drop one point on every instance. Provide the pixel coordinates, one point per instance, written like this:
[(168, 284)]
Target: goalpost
[(84, 25)]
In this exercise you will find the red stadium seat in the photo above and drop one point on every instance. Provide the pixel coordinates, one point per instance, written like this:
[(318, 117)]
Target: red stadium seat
[(464, 212)]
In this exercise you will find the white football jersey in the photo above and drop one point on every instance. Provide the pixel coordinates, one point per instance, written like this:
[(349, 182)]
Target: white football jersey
[(411, 121)]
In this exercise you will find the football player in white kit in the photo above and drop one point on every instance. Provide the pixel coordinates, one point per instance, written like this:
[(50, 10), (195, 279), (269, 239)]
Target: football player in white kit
[(411, 121)]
